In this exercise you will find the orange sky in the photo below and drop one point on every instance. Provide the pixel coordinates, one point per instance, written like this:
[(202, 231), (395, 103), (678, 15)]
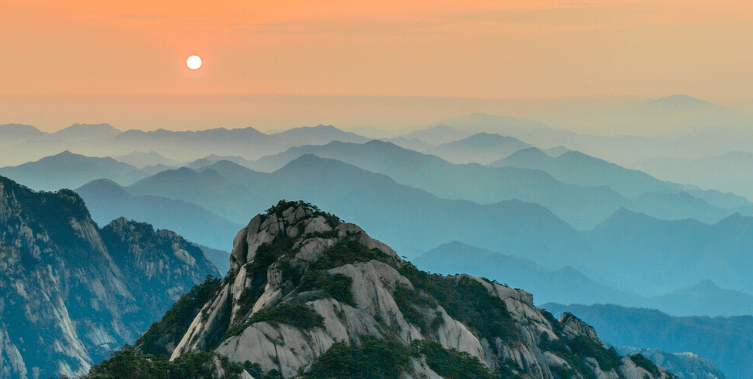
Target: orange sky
[(473, 49)]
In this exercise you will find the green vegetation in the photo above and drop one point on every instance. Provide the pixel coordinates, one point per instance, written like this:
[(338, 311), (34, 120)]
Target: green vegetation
[(336, 286), (450, 363), (576, 350), (176, 321), (49, 212), (646, 364), (408, 301), (290, 272), (126, 363), (468, 301), (347, 251), (608, 359), (255, 370), (556, 325), (297, 315), (332, 220), (374, 358), (266, 255)]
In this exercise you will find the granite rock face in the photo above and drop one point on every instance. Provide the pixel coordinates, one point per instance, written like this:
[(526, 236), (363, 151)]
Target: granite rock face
[(302, 282), (70, 292)]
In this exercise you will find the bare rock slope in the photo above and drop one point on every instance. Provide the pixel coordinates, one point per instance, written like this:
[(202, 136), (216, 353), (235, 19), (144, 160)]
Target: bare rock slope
[(310, 296), (72, 293)]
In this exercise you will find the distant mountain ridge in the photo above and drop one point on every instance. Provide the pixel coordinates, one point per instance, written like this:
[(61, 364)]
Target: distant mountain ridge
[(480, 148), (685, 365), (107, 200), (727, 342), (564, 285), (567, 285), (69, 170), (223, 188), (27, 143), (614, 253), (583, 199)]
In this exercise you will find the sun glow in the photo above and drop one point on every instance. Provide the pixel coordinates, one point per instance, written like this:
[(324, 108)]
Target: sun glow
[(193, 62)]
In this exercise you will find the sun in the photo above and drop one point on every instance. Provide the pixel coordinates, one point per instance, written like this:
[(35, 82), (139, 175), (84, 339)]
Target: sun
[(193, 62)]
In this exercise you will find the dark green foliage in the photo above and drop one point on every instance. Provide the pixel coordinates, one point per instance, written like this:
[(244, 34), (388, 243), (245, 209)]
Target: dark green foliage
[(646, 364), (576, 350), (176, 321), (406, 299), (255, 370), (585, 347), (374, 358), (468, 301), (347, 251), (332, 220), (450, 363), (556, 325), (289, 272), (246, 300), (126, 364), (297, 315), (49, 212), (560, 372), (336, 286), (266, 255), (436, 322), (326, 235)]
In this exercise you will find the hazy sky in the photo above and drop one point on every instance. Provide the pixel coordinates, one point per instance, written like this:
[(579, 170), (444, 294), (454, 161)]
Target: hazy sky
[(450, 49)]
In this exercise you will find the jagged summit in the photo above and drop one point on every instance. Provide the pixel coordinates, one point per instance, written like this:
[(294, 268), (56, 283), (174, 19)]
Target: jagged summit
[(306, 228), (310, 296)]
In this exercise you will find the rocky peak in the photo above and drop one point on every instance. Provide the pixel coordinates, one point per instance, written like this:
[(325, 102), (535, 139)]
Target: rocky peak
[(71, 293), (303, 226), (305, 288)]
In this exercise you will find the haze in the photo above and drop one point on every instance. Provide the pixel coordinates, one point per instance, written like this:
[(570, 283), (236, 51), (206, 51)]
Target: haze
[(274, 66)]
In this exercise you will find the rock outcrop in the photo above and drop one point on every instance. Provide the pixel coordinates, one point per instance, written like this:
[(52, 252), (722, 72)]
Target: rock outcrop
[(683, 365), (307, 292), (70, 292)]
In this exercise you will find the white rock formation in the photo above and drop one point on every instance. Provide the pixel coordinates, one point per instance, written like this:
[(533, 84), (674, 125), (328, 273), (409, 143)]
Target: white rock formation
[(303, 240)]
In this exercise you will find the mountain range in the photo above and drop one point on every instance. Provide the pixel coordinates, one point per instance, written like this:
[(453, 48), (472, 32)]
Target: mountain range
[(726, 172), (73, 292), (582, 190), (21, 144), (309, 296), (726, 342), (69, 170), (613, 253), (106, 200), (567, 285), (480, 148)]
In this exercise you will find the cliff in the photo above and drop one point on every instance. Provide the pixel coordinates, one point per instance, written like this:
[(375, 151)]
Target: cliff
[(309, 296), (70, 292)]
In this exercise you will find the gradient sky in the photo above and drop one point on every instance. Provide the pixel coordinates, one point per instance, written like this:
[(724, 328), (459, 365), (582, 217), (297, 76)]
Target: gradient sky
[(476, 49)]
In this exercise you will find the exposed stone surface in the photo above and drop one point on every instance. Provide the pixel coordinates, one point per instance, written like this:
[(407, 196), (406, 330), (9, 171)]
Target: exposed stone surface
[(299, 244), (70, 292)]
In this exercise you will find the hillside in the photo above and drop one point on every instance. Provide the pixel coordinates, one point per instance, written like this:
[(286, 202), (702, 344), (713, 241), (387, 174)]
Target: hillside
[(726, 342), (72, 292), (309, 296)]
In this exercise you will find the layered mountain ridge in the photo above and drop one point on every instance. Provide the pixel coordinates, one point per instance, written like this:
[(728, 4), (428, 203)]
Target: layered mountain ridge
[(310, 296), (70, 292)]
